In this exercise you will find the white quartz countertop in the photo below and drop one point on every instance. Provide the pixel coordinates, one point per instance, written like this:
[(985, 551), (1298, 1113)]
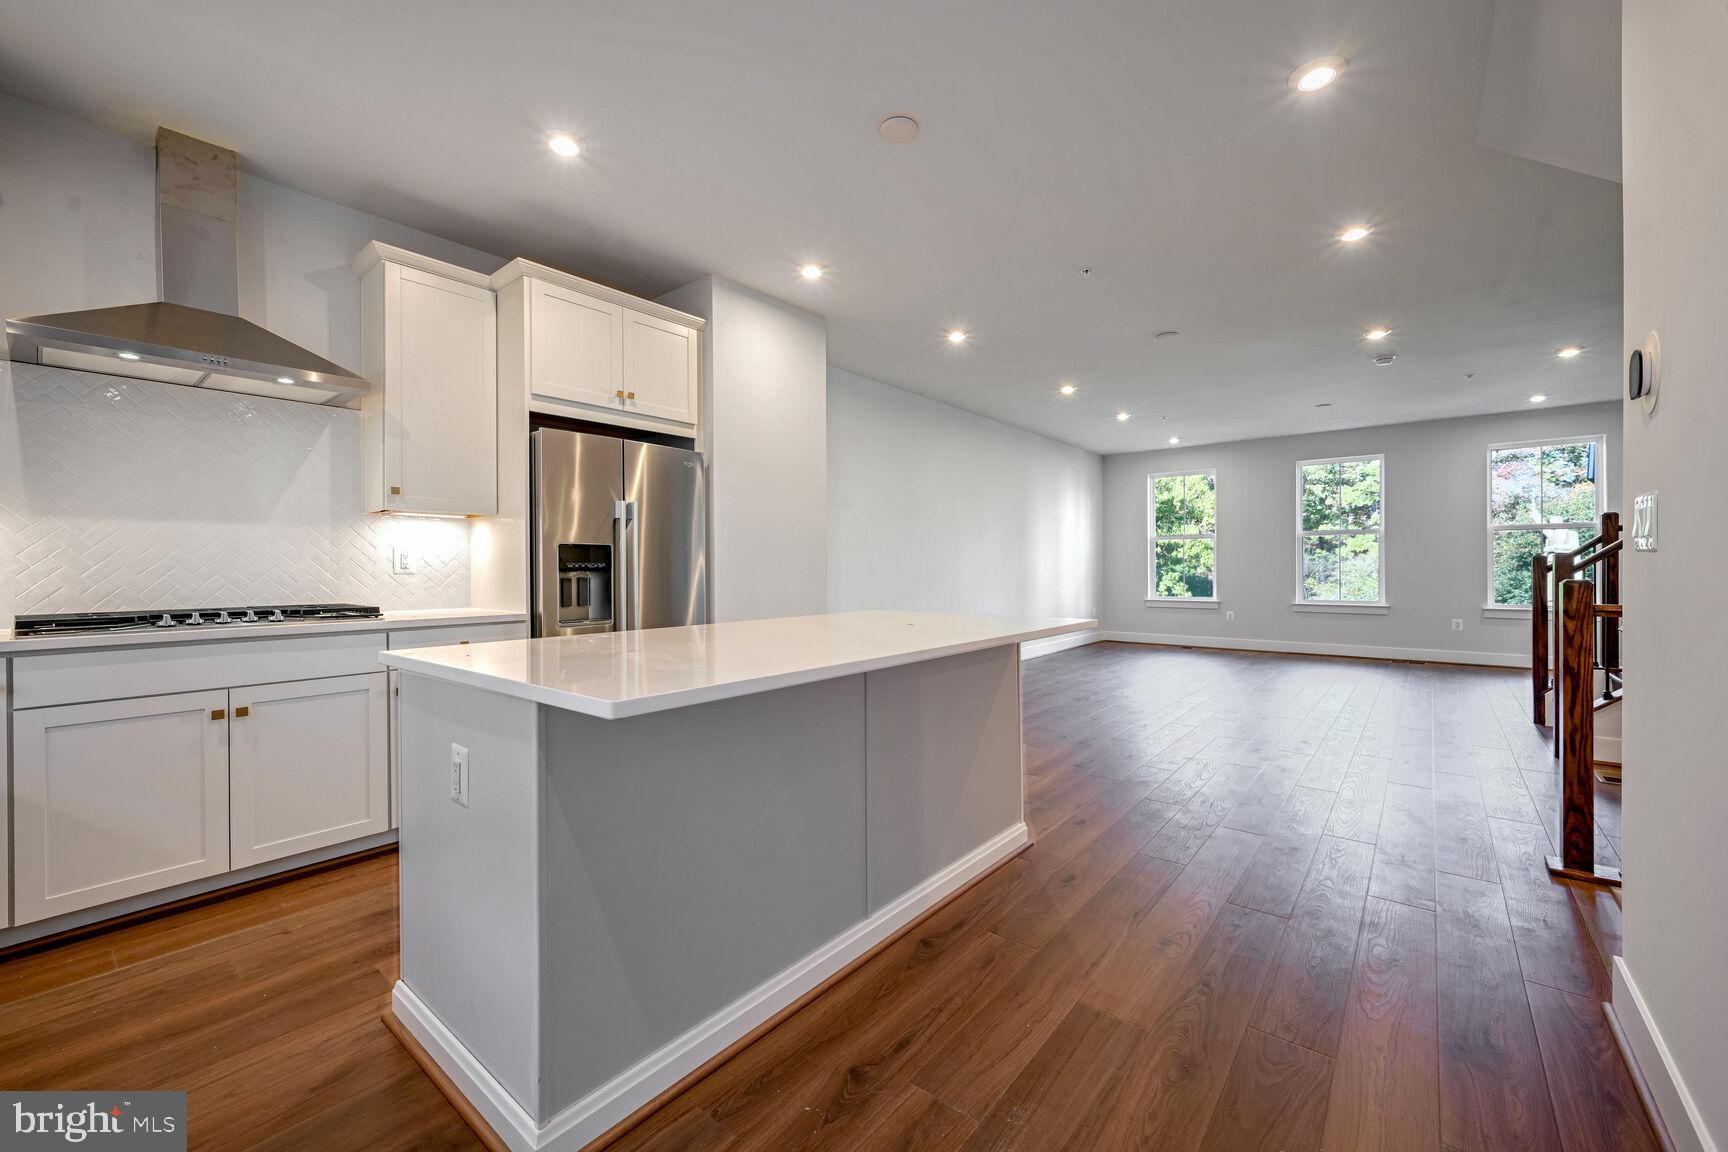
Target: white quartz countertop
[(12, 644), (613, 675)]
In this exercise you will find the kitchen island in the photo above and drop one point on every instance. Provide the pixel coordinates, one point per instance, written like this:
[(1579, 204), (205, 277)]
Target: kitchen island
[(624, 853)]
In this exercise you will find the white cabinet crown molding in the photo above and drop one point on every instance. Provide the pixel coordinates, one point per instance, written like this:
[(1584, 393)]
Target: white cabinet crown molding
[(377, 252), (519, 268)]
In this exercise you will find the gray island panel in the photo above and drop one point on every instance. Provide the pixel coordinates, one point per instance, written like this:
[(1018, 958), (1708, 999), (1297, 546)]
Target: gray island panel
[(689, 855)]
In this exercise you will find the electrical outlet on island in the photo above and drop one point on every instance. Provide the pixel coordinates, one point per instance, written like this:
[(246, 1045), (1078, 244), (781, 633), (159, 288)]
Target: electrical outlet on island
[(459, 774), (1457, 624)]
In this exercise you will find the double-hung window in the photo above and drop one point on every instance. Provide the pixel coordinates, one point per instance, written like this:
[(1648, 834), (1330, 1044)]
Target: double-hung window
[(1182, 536), (1542, 497), (1340, 522)]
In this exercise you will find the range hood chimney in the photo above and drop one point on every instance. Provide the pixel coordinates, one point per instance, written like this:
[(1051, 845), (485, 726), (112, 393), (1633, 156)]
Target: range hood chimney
[(194, 335)]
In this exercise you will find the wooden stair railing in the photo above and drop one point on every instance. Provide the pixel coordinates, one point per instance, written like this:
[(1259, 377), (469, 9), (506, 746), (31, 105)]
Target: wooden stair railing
[(1599, 555), (1539, 572), (1574, 696)]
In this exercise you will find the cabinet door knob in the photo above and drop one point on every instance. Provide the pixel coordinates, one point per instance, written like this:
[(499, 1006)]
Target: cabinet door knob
[(218, 713), (242, 712), (620, 393), (631, 395)]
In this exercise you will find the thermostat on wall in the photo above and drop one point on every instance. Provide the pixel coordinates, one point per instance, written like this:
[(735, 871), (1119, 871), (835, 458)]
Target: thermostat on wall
[(1641, 374)]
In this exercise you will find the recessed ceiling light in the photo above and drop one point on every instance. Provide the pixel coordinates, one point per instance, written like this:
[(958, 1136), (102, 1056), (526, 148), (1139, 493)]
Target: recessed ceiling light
[(811, 271), (1324, 404), (1067, 389), (1383, 361), (1538, 398), (1316, 74), (898, 129), (1355, 233), (564, 144), (956, 336), (127, 355), (1569, 351), (1175, 439), (1376, 333), (1167, 334), (284, 379), (1121, 417)]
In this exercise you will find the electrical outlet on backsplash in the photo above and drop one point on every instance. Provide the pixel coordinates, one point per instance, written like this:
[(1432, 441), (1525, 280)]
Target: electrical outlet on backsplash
[(132, 494)]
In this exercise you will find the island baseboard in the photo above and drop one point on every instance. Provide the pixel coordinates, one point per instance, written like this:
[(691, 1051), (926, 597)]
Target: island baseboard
[(612, 1109)]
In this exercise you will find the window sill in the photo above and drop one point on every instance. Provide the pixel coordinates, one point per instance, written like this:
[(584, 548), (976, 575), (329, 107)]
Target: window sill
[(1182, 602), (1505, 611), (1347, 608)]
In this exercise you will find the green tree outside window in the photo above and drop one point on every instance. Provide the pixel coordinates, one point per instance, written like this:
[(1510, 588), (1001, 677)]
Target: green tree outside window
[(1541, 498), (1183, 541), (1341, 525)]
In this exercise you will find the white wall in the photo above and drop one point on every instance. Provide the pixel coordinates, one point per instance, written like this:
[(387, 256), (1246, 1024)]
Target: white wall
[(764, 416), (126, 494), (936, 509), (1436, 547), (129, 494), (1676, 792)]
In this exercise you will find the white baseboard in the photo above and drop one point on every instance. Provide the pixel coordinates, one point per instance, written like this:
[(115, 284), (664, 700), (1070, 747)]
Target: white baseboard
[(613, 1102), (1679, 1111), (1032, 649), (1306, 648)]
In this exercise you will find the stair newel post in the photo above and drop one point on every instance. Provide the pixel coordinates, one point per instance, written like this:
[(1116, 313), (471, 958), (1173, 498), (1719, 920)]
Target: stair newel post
[(1564, 567), (1539, 638), (1575, 706)]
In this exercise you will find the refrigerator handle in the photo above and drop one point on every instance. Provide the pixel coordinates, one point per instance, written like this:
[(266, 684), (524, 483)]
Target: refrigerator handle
[(626, 542)]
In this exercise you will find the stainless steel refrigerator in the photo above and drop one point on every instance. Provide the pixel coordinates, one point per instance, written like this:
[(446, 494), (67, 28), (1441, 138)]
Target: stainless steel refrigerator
[(619, 534)]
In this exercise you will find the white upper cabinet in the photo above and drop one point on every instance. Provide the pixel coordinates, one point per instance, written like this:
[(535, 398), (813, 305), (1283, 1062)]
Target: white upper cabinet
[(661, 367), (429, 347), (575, 345), (603, 354)]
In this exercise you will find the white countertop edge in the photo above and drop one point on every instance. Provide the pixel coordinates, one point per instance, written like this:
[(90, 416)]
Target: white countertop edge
[(14, 645), (605, 709)]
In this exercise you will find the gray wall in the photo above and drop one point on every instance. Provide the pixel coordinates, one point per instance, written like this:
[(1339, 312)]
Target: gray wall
[(78, 230), (1676, 933), (764, 412), (935, 509), (1436, 549)]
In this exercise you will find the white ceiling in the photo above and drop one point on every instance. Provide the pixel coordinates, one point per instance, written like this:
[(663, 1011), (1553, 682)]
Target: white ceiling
[(1158, 143)]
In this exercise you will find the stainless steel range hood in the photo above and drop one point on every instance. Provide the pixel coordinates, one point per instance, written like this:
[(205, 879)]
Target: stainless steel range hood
[(194, 334)]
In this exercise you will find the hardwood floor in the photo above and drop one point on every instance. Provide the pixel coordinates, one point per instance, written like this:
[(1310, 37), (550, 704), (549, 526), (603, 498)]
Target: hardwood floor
[(1274, 903)]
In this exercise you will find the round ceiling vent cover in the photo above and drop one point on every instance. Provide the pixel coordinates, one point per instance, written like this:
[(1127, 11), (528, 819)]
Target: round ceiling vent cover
[(898, 129)]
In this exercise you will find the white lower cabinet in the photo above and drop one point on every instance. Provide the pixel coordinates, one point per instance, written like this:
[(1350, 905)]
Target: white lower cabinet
[(116, 799), (309, 765)]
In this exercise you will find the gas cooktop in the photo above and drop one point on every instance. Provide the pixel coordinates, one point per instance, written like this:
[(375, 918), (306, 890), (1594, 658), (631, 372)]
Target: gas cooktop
[(70, 623)]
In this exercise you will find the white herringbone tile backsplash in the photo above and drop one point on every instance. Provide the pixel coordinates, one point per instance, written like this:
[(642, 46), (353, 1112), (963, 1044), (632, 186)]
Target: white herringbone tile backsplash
[(119, 493)]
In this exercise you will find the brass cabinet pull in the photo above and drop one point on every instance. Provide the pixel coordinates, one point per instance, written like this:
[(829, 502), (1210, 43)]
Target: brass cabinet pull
[(620, 393), (395, 490), (242, 712), (218, 713), (632, 395)]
